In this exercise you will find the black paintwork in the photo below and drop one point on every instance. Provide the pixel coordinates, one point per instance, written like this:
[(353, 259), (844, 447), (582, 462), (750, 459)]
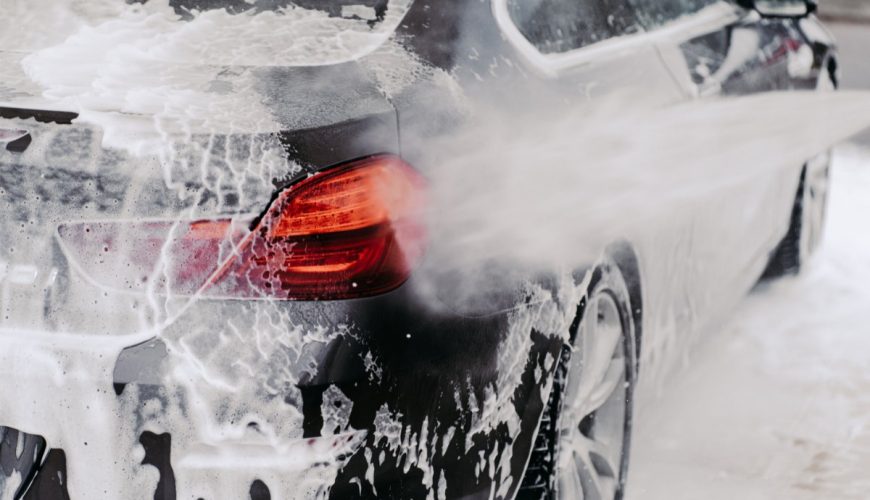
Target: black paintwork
[(40, 115), (157, 453), (447, 353), (333, 144), (20, 145), (50, 483), (259, 491), (20, 456)]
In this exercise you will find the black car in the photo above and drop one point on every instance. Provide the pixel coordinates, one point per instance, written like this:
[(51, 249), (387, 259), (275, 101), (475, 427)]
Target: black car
[(216, 271)]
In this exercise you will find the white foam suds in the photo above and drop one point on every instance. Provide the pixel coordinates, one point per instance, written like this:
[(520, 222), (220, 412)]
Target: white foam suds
[(169, 112)]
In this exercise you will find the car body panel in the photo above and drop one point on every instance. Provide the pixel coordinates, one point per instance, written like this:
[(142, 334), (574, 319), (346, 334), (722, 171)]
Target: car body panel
[(401, 395)]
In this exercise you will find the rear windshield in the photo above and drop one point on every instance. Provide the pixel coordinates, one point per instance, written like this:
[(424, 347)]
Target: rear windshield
[(210, 32)]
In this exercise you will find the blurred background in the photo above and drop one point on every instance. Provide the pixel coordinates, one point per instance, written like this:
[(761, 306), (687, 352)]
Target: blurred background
[(845, 10), (849, 20), (776, 404)]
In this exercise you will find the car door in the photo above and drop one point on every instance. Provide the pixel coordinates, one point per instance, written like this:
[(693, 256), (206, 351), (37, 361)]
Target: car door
[(715, 48), (624, 63), (597, 46)]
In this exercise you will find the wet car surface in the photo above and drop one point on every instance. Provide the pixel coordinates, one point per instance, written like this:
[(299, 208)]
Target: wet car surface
[(208, 291)]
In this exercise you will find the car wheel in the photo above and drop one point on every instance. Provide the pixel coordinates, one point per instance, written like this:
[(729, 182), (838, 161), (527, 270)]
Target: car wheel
[(582, 449), (807, 221), (815, 203), (808, 213)]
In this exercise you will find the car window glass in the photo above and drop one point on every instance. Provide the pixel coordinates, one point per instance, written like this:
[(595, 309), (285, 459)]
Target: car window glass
[(561, 25), (655, 13)]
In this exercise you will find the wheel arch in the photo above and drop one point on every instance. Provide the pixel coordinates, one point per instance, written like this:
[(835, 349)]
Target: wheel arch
[(625, 257), (541, 466)]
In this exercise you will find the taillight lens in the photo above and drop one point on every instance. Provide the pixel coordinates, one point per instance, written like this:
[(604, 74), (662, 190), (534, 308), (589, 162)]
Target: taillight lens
[(353, 231)]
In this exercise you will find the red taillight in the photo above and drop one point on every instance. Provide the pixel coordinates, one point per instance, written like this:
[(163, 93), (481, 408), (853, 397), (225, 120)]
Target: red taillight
[(353, 231)]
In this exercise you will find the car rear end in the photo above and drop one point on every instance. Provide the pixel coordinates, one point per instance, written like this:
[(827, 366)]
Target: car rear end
[(147, 347), (120, 320), (214, 267), (225, 320)]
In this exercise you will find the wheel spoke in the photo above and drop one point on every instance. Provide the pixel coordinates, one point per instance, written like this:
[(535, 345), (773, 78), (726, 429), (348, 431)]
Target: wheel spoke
[(602, 340), (613, 378), (603, 455), (815, 203), (571, 483), (595, 467), (602, 366), (593, 415)]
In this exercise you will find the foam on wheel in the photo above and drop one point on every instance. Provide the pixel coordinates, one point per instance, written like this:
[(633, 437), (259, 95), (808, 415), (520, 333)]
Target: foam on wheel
[(583, 442)]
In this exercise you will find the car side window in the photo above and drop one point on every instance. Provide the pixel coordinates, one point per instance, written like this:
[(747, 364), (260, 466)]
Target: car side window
[(555, 26), (655, 13)]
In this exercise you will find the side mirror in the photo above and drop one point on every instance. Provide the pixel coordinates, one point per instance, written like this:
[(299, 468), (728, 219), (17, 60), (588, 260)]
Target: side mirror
[(781, 8)]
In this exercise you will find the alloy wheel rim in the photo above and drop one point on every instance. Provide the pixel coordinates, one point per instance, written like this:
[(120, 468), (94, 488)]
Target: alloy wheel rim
[(815, 196), (592, 420), (815, 203)]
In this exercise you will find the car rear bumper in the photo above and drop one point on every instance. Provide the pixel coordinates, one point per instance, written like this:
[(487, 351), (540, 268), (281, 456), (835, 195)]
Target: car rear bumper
[(61, 389), (294, 398)]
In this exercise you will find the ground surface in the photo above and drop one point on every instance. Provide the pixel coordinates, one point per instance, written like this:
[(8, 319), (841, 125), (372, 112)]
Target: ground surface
[(776, 404), (845, 10)]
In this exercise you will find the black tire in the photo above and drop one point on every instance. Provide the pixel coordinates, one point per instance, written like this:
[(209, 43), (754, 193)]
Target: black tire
[(541, 477)]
